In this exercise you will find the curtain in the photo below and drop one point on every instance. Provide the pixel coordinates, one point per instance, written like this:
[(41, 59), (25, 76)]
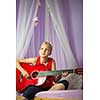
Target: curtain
[(25, 26), (60, 22), (56, 18)]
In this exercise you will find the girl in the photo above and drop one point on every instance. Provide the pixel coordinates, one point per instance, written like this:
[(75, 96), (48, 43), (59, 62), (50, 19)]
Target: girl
[(44, 53)]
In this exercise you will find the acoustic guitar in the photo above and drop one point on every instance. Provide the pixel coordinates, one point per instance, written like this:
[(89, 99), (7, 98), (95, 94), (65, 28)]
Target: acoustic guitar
[(38, 75)]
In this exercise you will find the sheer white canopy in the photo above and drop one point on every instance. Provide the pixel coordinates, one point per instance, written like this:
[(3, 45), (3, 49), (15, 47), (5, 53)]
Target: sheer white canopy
[(56, 24), (25, 26)]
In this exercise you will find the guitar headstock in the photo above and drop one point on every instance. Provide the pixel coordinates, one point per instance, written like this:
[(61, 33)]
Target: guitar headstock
[(79, 71)]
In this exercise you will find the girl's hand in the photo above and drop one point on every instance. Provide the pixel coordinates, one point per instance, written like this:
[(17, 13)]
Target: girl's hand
[(25, 74), (64, 74), (59, 76)]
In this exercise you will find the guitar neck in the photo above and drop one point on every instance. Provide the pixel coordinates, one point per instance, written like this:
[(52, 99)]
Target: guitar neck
[(53, 73)]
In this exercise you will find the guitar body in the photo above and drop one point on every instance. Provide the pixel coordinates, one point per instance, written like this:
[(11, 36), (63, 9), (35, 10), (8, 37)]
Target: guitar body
[(22, 82)]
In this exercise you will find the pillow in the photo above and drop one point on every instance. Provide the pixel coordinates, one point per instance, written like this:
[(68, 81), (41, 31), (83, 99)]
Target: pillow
[(75, 81)]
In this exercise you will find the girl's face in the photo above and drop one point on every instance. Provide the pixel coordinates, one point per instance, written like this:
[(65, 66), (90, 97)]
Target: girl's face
[(44, 50)]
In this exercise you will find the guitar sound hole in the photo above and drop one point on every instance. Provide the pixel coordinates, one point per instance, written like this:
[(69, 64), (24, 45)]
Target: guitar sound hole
[(34, 74)]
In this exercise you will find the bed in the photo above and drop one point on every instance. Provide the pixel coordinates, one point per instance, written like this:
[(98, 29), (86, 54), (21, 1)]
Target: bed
[(74, 91), (60, 95)]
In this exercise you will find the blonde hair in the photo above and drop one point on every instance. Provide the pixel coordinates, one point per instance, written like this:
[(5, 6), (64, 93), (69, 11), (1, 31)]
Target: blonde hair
[(49, 45)]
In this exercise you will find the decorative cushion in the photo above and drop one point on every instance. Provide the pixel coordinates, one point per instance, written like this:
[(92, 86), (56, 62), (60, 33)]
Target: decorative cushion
[(75, 81)]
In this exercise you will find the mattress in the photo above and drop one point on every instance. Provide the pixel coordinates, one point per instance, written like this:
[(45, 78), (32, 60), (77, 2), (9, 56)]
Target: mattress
[(70, 94)]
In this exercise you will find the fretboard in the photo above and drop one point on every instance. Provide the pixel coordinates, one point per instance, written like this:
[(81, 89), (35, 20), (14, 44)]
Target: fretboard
[(53, 73)]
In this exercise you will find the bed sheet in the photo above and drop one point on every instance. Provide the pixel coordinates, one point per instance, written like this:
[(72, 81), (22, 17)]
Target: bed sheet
[(76, 94)]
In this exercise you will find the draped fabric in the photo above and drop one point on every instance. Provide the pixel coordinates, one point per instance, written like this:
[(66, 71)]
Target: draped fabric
[(25, 26), (60, 23), (56, 18)]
